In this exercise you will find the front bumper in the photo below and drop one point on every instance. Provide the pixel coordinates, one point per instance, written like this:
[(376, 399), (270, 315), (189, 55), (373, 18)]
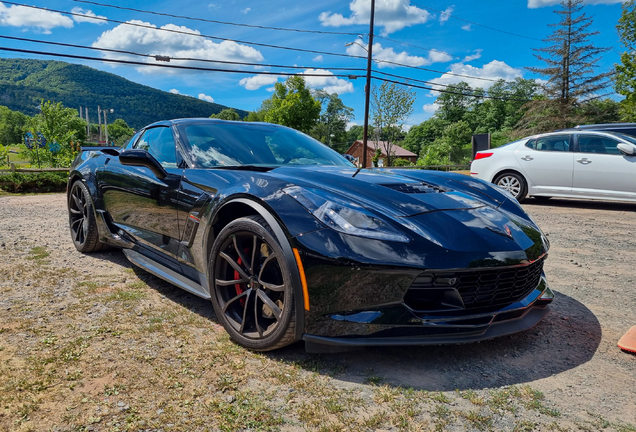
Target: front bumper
[(397, 325)]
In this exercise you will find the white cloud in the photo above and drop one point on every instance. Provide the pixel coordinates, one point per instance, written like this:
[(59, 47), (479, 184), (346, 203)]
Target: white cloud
[(493, 71), (246, 10), (43, 20), (430, 108), (445, 15), (467, 27), (330, 84), (350, 125), (206, 98), (174, 91), (392, 15), (147, 40), (257, 81), (472, 57), (388, 55), (534, 4), (214, 6), (318, 58), (88, 13)]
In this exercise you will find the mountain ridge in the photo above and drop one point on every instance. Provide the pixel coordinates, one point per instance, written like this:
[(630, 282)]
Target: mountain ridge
[(24, 82)]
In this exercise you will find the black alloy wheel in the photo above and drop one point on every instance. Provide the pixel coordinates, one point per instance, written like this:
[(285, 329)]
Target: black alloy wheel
[(252, 292), (82, 219)]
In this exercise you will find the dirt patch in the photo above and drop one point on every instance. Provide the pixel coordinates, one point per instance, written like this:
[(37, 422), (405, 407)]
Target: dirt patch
[(90, 343)]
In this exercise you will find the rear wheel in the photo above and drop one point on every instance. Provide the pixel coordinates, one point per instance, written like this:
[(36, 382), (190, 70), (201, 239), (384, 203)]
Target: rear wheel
[(513, 183), (252, 291), (81, 218)]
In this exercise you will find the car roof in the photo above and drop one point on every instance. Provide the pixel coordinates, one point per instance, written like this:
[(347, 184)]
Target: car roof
[(204, 120), (571, 131)]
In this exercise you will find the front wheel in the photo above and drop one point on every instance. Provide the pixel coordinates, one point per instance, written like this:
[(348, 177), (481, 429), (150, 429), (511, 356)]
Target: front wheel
[(252, 290), (513, 183), (81, 217)]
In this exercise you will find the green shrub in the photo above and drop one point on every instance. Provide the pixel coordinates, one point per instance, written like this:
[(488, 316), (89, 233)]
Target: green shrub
[(34, 182)]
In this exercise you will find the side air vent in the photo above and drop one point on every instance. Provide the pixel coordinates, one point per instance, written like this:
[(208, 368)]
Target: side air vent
[(414, 188)]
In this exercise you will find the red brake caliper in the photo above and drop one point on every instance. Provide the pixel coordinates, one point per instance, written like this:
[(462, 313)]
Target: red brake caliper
[(240, 288)]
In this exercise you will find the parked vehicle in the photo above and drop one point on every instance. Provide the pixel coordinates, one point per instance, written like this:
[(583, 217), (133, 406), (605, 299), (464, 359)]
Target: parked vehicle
[(573, 164), (290, 241), (625, 128)]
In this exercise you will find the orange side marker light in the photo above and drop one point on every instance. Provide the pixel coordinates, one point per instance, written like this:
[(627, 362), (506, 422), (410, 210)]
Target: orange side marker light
[(303, 280)]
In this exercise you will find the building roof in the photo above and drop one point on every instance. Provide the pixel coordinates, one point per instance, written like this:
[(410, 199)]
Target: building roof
[(396, 149)]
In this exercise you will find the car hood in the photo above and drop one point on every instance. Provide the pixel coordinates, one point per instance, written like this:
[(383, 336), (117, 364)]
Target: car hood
[(402, 193)]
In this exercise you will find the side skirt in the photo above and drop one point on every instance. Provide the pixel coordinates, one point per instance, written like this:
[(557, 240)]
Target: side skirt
[(165, 273)]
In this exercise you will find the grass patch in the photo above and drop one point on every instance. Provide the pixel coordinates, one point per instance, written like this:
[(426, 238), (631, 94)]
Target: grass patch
[(38, 253)]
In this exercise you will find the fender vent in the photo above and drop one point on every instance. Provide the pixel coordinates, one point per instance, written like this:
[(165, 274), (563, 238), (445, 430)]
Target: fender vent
[(414, 188)]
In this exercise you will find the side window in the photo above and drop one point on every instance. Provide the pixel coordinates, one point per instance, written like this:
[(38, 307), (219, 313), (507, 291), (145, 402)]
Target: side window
[(131, 141), (144, 142), (598, 144), (554, 143), (163, 148)]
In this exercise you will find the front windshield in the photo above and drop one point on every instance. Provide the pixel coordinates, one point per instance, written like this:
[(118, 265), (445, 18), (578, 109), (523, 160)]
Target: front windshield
[(625, 137), (215, 144)]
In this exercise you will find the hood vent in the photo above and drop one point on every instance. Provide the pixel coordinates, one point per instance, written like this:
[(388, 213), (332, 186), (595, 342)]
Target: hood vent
[(414, 188)]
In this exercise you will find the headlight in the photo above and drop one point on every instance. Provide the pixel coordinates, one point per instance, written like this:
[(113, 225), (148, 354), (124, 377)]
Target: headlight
[(345, 217)]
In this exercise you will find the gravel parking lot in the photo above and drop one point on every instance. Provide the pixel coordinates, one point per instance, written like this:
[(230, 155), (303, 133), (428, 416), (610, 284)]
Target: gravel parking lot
[(88, 342)]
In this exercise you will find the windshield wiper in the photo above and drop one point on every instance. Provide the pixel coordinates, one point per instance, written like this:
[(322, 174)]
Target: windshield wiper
[(246, 168)]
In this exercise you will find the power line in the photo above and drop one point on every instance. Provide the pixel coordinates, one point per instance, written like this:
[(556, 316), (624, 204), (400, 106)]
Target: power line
[(130, 62), (474, 23), (137, 63), (168, 58), (150, 27), (426, 49), (213, 21), (213, 61), (451, 91), (247, 42)]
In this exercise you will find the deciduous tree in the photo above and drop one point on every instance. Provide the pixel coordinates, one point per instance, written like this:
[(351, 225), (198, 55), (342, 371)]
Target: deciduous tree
[(392, 105)]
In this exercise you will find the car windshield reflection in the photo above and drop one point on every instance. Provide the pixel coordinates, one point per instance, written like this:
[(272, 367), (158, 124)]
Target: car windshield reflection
[(223, 145)]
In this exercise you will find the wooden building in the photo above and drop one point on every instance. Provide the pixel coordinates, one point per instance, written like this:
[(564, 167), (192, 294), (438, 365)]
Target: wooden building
[(397, 152)]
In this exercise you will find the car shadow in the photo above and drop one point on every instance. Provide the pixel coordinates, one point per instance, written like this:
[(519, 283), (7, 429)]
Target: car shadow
[(566, 338), (582, 204)]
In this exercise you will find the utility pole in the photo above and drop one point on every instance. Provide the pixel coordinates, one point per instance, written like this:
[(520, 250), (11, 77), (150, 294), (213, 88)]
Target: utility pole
[(367, 88), (88, 126), (99, 120), (106, 123)]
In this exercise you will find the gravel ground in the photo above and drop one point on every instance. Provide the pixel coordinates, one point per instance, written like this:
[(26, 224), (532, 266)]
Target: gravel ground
[(88, 342)]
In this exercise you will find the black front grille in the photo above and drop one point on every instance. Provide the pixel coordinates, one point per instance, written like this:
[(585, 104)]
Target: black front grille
[(477, 288), (412, 188)]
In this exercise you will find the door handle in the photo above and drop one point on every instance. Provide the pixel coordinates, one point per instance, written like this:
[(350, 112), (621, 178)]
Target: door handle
[(527, 158), (584, 161)]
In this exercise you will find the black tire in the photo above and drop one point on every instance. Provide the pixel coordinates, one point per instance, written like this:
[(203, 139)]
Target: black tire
[(513, 183), (541, 198), (81, 217), (251, 284)]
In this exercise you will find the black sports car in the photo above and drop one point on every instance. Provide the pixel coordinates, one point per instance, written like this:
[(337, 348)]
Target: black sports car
[(290, 241)]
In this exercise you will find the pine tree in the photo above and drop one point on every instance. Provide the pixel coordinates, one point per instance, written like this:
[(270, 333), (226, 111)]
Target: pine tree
[(570, 61)]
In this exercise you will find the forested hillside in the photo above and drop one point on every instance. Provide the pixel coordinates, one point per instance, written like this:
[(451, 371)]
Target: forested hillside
[(24, 82)]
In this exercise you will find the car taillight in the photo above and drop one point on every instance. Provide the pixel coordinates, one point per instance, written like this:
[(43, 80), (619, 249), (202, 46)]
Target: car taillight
[(483, 155)]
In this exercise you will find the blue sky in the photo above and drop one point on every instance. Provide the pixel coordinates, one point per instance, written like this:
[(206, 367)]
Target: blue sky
[(438, 41)]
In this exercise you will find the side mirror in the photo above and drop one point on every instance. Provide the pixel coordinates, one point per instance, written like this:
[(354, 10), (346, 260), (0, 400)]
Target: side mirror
[(142, 158), (627, 149)]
